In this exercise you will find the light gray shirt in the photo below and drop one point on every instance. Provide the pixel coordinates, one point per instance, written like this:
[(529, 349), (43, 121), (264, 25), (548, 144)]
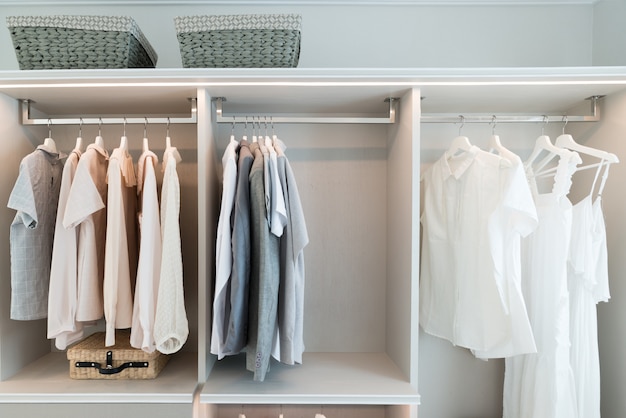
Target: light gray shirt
[(35, 197), (264, 278)]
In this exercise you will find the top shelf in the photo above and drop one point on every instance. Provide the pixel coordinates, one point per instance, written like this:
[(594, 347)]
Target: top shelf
[(159, 91)]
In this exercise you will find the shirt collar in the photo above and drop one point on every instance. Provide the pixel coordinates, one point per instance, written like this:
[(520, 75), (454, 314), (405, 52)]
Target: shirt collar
[(467, 157)]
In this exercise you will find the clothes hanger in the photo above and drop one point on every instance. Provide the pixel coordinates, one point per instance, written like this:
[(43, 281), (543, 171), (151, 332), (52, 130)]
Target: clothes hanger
[(146, 146), (254, 136), (79, 139), (48, 141), (99, 140), (460, 143), (168, 141), (567, 141), (124, 139), (496, 146), (543, 143), (170, 151)]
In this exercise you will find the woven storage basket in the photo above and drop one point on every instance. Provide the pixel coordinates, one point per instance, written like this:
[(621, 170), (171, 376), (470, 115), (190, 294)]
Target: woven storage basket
[(239, 41), (88, 359), (79, 42)]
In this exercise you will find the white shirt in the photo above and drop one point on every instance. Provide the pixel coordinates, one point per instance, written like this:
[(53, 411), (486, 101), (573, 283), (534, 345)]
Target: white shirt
[(508, 247), (460, 297), (171, 327), (150, 248), (85, 207), (62, 297), (223, 250), (119, 266), (278, 211)]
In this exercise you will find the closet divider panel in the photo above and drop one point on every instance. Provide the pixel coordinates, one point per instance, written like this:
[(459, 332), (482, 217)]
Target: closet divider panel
[(403, 228), (208, 210)]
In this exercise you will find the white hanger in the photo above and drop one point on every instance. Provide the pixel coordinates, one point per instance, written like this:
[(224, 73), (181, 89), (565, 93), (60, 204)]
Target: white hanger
[(168, 141), (99, 140), (567, 141), (79, 139), (146, 146), (124, 139), (49, 142), (543, 143), (496, 146), (460, 143)]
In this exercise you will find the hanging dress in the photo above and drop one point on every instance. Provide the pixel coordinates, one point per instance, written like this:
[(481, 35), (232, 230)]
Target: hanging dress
[(588, 284), (541, 385)]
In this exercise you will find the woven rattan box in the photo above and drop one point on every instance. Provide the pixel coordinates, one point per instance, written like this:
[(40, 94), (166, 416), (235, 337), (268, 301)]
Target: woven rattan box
[(239, 41), (79, 42), (90, 359)]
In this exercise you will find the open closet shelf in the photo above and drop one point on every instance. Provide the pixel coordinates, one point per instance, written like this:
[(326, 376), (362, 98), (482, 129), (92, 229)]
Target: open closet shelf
[(166, 91), (46, 380), (323, 378)]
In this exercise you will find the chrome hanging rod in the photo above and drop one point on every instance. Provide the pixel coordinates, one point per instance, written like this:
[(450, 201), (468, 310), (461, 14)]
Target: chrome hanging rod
[(25, 105), (483, 118), (391, 118)]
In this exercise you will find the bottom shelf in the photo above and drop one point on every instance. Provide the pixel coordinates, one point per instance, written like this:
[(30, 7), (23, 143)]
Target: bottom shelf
[(47, 380), (322, 378)]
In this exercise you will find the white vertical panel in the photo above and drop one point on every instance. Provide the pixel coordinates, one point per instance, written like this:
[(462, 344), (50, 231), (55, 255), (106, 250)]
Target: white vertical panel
[(207, 214), (403, 236)]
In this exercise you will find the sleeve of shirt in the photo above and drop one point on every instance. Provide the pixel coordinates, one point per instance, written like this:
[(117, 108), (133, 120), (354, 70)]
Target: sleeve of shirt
[(518, 199), (84, 198), (22, 198)]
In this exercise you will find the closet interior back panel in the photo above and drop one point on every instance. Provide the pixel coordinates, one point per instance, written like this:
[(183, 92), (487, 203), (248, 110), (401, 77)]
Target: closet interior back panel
[(358, 187)]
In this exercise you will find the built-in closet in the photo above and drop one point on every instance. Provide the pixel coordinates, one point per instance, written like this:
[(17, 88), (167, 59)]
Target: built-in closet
[(360, 189)]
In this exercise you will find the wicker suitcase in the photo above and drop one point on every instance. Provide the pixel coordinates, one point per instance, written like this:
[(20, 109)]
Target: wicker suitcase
[(90, 359)]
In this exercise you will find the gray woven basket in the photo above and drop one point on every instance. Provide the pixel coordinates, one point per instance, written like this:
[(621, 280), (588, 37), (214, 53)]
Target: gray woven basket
[(79, 42), (239, 41)]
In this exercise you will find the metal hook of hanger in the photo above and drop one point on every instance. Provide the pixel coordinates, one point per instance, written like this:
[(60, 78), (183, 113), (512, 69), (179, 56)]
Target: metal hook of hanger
[(145, 127), (245, 126), (493, 125), (232, 129), (272, 123), (462, 123), (80, 128), (565, 124), (266, 125), (167, 128), (100, 127), (124, 134), (49, 128)]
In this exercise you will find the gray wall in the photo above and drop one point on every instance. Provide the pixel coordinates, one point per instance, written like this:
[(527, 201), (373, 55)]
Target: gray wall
[(379, 36)]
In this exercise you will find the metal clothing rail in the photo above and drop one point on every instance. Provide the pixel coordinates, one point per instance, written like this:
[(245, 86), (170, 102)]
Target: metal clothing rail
[(391, 118), (27, 120), (473, 118)]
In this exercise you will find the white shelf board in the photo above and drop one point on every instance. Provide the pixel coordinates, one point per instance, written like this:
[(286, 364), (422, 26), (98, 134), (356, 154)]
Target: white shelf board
[(323, 378), (302, 90), (47, 380)]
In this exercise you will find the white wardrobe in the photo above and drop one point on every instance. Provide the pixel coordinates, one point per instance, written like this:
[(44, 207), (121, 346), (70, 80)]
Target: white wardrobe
[(360, 191), (359, 185)]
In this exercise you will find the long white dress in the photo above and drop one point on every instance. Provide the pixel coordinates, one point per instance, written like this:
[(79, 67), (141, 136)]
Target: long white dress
[(541, 385), (588, 283)]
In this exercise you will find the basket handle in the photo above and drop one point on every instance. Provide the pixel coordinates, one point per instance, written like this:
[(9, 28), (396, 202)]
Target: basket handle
[(109, 369)]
